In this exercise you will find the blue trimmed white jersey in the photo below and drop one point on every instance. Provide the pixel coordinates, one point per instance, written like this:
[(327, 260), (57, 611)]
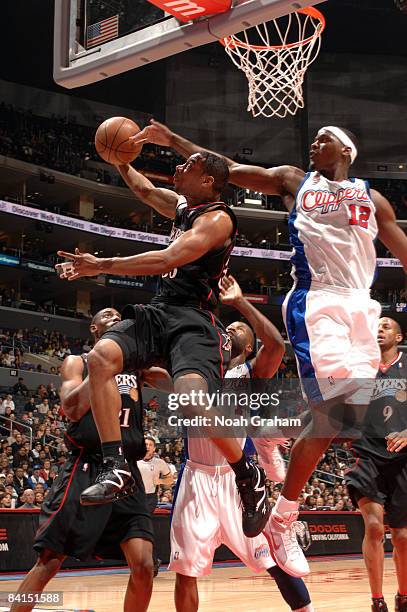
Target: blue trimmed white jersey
[(332, 229), (202, 450)]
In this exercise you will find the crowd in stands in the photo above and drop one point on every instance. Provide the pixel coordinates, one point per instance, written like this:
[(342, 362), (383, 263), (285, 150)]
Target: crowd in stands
[(17, 343), (55, 143), (58, 144)]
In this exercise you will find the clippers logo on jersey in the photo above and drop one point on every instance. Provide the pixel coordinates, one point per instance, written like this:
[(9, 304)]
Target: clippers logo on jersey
[(332, 229), (329, 201), (127, 383)]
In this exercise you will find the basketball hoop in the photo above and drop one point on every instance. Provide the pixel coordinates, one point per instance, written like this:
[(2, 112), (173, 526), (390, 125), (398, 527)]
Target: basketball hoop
[(274, 57)]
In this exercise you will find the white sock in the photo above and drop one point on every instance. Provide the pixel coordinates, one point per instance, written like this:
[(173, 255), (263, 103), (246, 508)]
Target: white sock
[(286, 508)]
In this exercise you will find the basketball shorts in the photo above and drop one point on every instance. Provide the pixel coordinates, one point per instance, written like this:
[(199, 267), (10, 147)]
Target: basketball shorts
[(384, 482), (333, 332), (206, 513), (86, 532), (181, 338)]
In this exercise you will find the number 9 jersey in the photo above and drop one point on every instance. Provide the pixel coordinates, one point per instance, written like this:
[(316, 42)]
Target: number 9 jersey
[(387, 412)]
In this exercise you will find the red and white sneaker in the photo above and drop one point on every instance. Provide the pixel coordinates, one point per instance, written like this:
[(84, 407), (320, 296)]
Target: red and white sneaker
[(281, 535), (270, 457)]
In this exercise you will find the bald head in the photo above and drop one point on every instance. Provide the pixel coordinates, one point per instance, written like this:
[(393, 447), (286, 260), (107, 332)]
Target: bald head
[(242, 337)]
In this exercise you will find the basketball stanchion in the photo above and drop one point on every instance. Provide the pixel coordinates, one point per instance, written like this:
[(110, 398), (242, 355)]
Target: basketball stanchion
[(274, 56)]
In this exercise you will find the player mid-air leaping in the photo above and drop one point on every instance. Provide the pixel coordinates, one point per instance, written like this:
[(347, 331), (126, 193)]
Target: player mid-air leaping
[(330, 318), (179, 327)]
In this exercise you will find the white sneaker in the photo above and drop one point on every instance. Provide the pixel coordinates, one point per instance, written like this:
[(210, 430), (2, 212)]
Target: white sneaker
[(270, 457), (282, 538)]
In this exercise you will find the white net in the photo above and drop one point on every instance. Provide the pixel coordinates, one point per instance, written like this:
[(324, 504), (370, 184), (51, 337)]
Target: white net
[(274, 57)]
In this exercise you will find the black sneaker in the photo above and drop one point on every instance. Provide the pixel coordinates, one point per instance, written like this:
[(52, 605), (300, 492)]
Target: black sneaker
[(400, 603), (379, 605), (255, 504), (113, 482), (157, 564)]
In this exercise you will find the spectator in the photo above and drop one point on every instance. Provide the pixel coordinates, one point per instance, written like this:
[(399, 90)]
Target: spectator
[(20, 482), (171, 466), (18, 442), (20, 458), (52, 392), (320, 503), (30, 405), (42, 392), (8, 403), (9, 359), (39, 499), (43, 407), (36, 477), (45, 472), (339, 506), (7, 501), (20, 388), (28, 499)]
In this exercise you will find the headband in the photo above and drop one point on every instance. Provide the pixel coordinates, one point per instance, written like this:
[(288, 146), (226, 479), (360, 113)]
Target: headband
[(344, 139)]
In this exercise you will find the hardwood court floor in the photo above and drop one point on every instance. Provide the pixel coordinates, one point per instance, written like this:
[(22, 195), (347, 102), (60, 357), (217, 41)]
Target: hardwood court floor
[(335, 585)]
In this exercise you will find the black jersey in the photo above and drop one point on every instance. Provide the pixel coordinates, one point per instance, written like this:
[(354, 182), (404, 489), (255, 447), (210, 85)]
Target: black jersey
[(83, 433), (196, 283), (387, 411)]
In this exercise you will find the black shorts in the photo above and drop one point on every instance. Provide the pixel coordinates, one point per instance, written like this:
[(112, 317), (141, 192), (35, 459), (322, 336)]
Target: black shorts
[(181, 338), (382, 482), (86, 532)]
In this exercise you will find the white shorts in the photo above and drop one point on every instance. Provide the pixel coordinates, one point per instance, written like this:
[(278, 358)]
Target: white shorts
[(206, 514), (333, 332)]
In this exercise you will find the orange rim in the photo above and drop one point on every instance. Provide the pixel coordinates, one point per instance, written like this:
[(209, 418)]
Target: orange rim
[(309, 10)]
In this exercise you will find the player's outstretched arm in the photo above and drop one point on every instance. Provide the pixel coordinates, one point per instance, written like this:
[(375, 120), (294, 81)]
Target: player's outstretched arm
[(269, 357), (390, 233), (210, 231), (164, 201), (281, 180), (74, 391)]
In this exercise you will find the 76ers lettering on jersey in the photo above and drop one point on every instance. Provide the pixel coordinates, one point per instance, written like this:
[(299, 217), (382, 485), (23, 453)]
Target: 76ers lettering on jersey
[(83, 433), (332, 229)]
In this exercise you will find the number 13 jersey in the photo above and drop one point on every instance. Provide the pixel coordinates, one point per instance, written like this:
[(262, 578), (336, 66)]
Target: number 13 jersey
[(332, 229)]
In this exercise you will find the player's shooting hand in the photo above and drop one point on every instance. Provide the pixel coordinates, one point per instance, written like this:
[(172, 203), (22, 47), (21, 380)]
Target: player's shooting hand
[(230, 291), (79, 264), (156, 133), (396, 441)]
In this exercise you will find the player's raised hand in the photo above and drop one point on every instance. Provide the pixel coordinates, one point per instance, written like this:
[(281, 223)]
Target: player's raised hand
[(156, 133), (230, 291), (396, 441), (79, 264)]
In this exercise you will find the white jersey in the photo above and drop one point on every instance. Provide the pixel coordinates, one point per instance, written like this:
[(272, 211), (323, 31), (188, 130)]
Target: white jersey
[(200, 449), (151, 470), (332, 229)]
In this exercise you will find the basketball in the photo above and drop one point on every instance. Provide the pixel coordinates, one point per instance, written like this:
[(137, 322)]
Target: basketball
[(112, 140)]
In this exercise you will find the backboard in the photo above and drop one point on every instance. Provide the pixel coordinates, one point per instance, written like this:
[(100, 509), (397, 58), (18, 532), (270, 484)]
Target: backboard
[(94, 40)]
